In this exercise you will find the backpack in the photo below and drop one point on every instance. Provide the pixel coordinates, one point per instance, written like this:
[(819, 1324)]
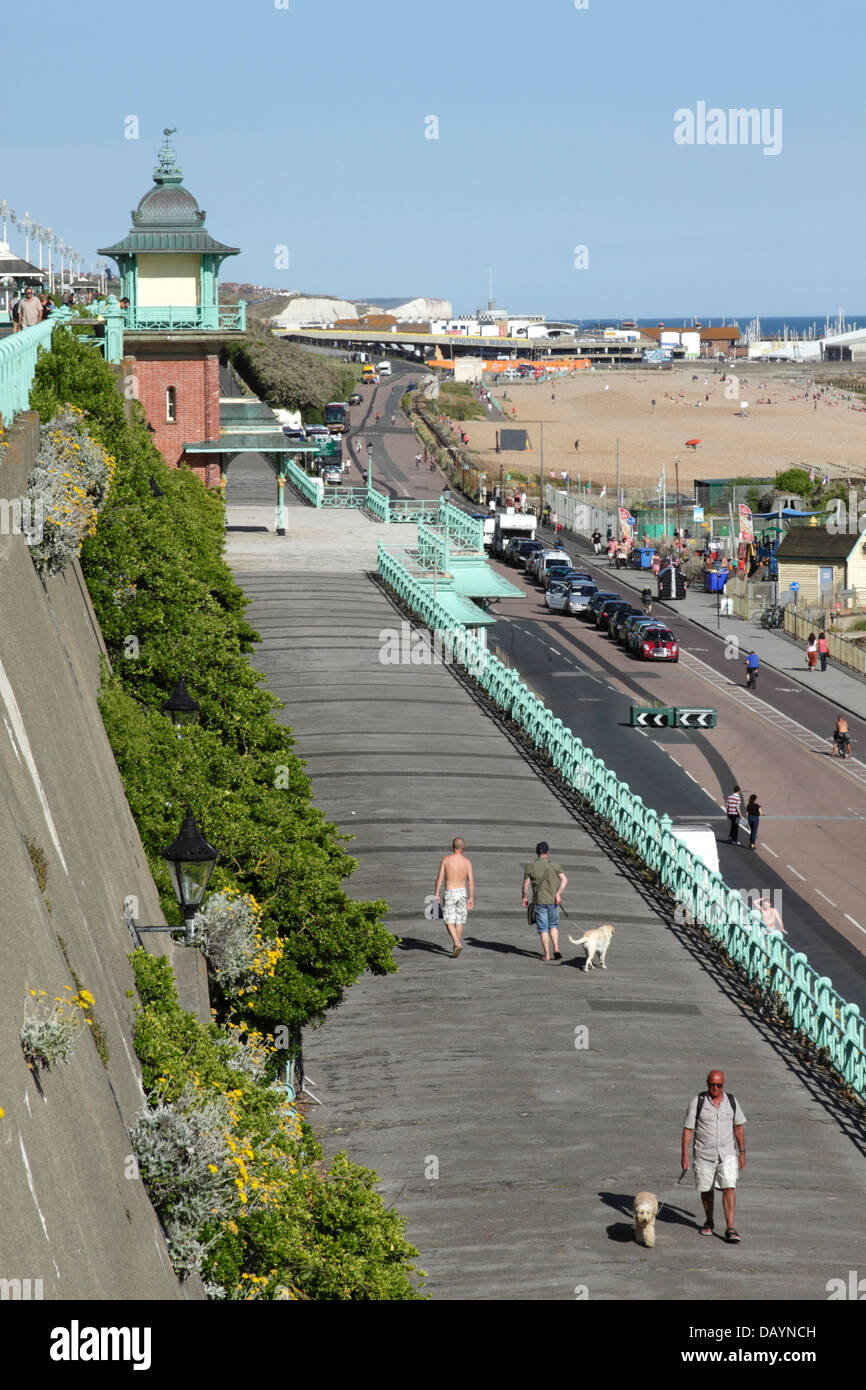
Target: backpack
[(705, 1096)]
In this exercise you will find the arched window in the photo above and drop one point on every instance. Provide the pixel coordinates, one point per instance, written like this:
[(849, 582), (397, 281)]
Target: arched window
[(170, 405)]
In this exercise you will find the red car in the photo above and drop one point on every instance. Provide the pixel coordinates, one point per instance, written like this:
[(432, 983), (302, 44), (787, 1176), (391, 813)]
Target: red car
[(657, 644)]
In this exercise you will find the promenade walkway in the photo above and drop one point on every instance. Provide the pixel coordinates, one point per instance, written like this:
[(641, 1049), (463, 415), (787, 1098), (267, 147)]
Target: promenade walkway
[(513, 1149)]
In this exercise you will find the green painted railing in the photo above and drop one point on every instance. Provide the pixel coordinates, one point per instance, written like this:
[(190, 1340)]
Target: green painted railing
[(814, 1006), (310, 489), (345, 497), (467, 531), (18, 354), (189, 318), (409, 510), (378, 505)]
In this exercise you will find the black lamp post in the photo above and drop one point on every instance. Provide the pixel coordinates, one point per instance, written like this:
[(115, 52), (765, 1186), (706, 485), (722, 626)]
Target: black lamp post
[(190, 862), (180, 707)]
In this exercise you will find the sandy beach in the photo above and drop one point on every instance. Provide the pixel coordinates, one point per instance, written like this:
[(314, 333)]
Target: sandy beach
[(827, 433)]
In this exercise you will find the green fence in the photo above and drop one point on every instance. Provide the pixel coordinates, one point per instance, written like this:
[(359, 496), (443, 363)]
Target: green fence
[(310, 489), (814, 1006), (18, 354)]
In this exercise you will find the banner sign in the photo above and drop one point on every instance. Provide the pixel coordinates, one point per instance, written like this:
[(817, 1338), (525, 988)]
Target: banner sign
[(747, 531)]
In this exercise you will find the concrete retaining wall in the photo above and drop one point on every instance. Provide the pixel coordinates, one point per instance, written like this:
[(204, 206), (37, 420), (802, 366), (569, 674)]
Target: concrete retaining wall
[(72, 1216)]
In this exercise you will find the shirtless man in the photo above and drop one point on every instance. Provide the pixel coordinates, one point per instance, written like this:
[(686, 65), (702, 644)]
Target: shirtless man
[(456, 872), (841, 728)]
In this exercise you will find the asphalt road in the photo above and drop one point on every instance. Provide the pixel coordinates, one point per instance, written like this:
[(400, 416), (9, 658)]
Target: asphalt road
[(590, 683)]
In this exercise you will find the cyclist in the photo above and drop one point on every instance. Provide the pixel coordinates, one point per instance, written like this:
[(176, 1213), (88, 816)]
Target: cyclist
[(417, 460), (752, 664), (841, 736), (393, 419), (647, 600)]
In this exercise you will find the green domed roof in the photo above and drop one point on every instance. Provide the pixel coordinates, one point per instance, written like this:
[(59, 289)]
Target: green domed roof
[(168, 218)]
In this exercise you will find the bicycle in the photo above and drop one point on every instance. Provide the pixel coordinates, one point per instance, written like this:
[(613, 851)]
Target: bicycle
[(773, 617)]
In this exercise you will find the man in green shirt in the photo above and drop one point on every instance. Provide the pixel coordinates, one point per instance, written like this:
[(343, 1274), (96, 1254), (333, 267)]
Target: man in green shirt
[(546, 882)]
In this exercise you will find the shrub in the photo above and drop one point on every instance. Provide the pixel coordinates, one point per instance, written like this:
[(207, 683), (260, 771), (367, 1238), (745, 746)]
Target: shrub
[(67, 487), (48, 1033)]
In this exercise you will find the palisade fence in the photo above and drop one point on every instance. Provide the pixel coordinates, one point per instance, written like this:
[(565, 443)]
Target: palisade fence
[(815, 1009)]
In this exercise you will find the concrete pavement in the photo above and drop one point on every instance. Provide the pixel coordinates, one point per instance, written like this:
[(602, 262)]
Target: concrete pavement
[(512, 1139)]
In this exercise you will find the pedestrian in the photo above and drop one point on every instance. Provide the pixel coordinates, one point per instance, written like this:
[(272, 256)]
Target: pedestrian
[(30, 310), (15, 312), (417, 460), (752, 664), (812, 652), (753, 816), (823, 649), (771, 919), (47, 305), (455, 871), (547, 882), (733, 807), (715, 1122), (596, 541), (523, 502)]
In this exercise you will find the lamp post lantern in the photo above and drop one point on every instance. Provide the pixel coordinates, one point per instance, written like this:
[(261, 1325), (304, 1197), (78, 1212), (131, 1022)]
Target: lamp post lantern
[(180, 707), (190, 862)]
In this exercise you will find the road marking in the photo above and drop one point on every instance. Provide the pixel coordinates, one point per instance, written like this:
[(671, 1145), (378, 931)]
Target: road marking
[(800, 876), (709, 794), (824, 896), (552, 649), (688, 774), (771, 851), (856, 924)]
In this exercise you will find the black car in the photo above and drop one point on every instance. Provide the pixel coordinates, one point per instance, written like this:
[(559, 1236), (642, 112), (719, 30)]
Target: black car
[(522, 552), (604, 596), (608, 612), (616, 628)]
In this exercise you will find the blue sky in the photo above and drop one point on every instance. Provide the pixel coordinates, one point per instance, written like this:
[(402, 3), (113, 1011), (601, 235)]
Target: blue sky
[(305, 127)]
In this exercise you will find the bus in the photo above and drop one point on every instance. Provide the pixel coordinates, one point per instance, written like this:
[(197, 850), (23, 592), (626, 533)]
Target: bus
[(337, 416)]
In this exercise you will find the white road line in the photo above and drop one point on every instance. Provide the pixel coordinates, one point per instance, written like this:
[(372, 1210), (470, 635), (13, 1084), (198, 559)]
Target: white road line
[(824, 896), (856, 924), (688, 774), (771, 851), (800, 876), (709, 794), (552, 649)]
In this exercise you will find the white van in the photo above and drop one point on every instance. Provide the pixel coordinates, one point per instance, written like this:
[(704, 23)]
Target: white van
[(700, 840), (384, 368)]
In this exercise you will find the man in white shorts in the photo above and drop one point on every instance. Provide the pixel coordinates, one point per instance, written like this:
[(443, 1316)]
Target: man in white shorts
[(715, 1121), (455, 871)]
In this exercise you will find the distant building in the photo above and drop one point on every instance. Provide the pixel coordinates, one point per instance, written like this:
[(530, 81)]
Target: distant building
[(824, 565)]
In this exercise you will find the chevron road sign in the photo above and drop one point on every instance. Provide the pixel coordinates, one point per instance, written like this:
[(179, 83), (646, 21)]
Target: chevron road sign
[(695, 718), (652, 718)]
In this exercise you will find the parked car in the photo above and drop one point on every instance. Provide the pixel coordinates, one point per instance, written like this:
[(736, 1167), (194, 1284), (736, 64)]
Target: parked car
[(332, 473), (554, 571), (603, 596), (578, 577), (634, 630), (553, 559), (556, 597), (657, 644), (522, 551), (608, 611), (579, 596), (616, 629)]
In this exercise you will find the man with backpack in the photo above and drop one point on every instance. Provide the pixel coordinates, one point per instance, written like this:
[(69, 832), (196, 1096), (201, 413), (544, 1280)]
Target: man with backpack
[(715, 1122)]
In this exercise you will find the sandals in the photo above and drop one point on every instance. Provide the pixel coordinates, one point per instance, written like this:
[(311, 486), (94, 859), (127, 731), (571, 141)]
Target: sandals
[(731, 1236), (707, 1228)]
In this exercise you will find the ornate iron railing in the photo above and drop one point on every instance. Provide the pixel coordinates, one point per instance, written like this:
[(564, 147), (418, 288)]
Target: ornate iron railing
[(814, 1007), (310, 489), (18, 354)]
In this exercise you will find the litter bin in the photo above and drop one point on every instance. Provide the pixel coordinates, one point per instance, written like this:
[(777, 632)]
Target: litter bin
[(643, 557), (716, 580)]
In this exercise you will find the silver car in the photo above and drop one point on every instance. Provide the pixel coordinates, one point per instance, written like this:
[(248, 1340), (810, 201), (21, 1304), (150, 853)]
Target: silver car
[(556, 597), (580, 596)]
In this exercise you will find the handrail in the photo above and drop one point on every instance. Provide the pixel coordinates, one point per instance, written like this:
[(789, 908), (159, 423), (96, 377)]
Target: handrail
[(18, 354), (815, 1008)]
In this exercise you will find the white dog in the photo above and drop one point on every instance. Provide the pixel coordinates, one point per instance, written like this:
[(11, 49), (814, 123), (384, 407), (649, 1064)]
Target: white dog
[(645, 1211), (596, 941)]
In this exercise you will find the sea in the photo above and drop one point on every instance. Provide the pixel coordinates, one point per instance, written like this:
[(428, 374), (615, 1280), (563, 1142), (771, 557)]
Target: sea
[(772, 326)]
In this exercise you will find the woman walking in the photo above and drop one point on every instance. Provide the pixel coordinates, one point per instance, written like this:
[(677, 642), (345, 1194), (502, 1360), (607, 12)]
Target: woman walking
[(812, 652), (753, 816), (823, 649)]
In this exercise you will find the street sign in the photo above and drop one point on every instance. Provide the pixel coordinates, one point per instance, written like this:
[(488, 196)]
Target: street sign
[(652, 718), (695, 718), (697, 513), (794, 586)]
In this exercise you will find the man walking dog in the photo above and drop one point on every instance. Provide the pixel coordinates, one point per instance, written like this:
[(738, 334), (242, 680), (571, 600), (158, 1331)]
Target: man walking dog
[(715, 1121), (546, 882)]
